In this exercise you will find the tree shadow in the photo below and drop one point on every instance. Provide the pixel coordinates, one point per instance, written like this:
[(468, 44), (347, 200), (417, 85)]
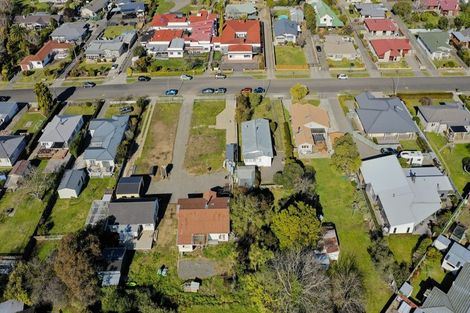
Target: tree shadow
[(66, 94)]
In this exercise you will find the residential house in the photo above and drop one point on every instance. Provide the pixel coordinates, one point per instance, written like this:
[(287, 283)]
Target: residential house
[(93, 9), (112, 263), (436, 44), (296, 14), (240, 40), (135, 222), (110, 50), (161, 40), (49, 52), (11, 147), (7, 111), (130, 9), (37, 20), (18, 173), (202, 221), (241, 11), (60, 132), (461, 39), (176, 48), (245, 176), (338, 48), (170, 21), (129, 187), (444, 7), (456, 300), (442, 243), (12, 306), (378, 27), (106, 136), (310, 127), (450, 119), (257, 147), (390, 49), (285, 31), (74, 32), (385, 119), (371, 10), (325, 16), (456, 257), (406, 197), (72, 183), (330, 242)]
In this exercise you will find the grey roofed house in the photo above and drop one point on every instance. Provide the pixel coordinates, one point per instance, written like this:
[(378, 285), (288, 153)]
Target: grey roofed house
[(456, 300), (373, 10), (133, 212), (239, 10), (7, 111), (456, 257), (245, 176), (435, 41), (112, 264), (129, 185), (106, 136), (463, 36), (132, 8), (283, 26), (99, 46), (9, 146), (61, 129), (96, 6), (383, 115), (407, 196), (37, 19), (70, 32), (176, 43), (11, 306), (452, 114), (73, 180), (256, 139)]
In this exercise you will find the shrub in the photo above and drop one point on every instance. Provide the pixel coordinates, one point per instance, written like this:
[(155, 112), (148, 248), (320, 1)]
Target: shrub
[(422, 144), (288, 148)]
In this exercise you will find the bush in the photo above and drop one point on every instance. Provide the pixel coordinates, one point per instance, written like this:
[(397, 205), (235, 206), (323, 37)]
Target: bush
[(425, 101), (422, 144), (288, 147)]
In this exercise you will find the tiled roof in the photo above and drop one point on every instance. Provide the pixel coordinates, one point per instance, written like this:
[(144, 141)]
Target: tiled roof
[(167, 34), (381, 46), (237, 48), (303, 114), (50, 46), (449, 5), (252, 29), (380, 24)]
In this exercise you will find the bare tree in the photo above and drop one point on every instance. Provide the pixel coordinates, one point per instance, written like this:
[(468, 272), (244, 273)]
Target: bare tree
[(36, 183), (347, 286)]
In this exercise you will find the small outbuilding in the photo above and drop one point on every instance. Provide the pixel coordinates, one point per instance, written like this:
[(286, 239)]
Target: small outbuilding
[(441, 243), (113, 259), (129, 187), (72, 184), (245, 176)]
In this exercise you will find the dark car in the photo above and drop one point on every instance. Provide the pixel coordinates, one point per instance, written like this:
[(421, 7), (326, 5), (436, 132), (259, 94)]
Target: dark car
[(171, 92), (89, 84), (208, 90), (220, 76), (143, 78), (126, 109), (318, 48), (388, 151), (246, 90), (259, 90), (4, 98), (221, 90)]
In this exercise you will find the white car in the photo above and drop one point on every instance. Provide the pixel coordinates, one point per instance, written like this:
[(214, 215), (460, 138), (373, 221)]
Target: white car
[(342, 76), (186, 77)]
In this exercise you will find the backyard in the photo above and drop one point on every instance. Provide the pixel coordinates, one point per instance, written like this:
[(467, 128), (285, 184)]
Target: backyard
[(30, 122), (206, 146), (336, 195), (112, 32), (402, 247), (428, 275), (409, 145), (69, 215), (288, 55), (158, 147)]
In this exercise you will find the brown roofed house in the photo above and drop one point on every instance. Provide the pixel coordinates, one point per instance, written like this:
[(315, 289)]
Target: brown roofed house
[(330, 242), (202, 221), (310, 127)]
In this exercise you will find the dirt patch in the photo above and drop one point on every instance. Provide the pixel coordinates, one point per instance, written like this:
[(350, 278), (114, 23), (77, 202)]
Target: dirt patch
[(205, 153), (196, 268)]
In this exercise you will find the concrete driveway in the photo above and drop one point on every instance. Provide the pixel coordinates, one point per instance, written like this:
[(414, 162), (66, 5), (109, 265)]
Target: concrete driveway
[(196, 268)]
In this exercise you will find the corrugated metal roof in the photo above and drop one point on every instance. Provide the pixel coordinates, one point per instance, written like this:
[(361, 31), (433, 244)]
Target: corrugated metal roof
[(256, 139)]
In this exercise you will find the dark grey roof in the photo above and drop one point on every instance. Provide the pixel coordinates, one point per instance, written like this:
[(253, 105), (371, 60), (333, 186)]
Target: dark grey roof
[(452, 114), (71, 179), (96, 5), (39, 18), (463, 35), (9, 144), (283, 26), (383, 115), (457, 299), (256, 139), (8, 108), (70, 31), (371, 9), (176, 43), (132, 7), (129, 185), (133, 212), (231, 152)]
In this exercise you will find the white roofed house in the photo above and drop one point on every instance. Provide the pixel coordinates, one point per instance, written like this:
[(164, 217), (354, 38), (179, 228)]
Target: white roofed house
[(61, 131), (257, 148), (406, 197), (106, 136)]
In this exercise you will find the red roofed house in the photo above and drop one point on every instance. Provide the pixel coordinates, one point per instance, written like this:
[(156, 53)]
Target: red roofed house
[(45, 55), (445, 7), (202, 221), (381, 27), (169, 21), (239, 40), (390, 49)]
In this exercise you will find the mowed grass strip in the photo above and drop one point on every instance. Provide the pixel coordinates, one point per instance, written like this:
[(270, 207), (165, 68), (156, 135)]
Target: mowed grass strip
[(206, 146)]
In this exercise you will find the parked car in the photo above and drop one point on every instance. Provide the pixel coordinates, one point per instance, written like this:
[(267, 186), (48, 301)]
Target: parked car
[(4, 98), (388, 151), (221, 90), (342, 76), (126, 109), (143, 78), (171, 92), (220, 76), (246, 90), (318, 48), (259, 90), (208, 90), (114, 66), (186, 77), (89, 84)]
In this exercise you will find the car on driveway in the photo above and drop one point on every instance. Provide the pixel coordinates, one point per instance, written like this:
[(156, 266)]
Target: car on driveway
[(208, 90), (171, 92), (89, 84), (220, 76), (342, 76), (318, 48), (388, 151), (221, 90), (4, 98), (126, 109), (186, 77), (143, 78), (246, 90), (259, 90)]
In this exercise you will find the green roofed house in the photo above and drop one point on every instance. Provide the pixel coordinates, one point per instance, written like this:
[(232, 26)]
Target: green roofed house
[(325, 15), (436, 44)]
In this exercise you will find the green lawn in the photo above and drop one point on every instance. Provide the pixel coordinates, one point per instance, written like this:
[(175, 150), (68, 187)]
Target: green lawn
[(281, 12), (287, 55), (446, 63), (40, 74), (80, 109), (226, 308), (43, 249), (290, 74), (402, 246), (114, 109), (273, 111), (69, 215), (336, 195), (409, 145), (112, 32), (392, 65), (206, 146), (164, 6), (452, 158), (345, 63), (343, 99), (30, 122), (101, 67), (412, 100), (429, 274)]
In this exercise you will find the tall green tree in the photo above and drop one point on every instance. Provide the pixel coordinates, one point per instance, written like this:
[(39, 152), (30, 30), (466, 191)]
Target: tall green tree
[(44, 98), (17, 287), (310, 17), (403, 9), (443, 23), (346, 157)]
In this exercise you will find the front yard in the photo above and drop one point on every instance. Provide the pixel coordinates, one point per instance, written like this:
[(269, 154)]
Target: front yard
[(30, 122), (446, 63), (289, 55), (170, 67), (206, 145), (87, 109), (412, 100), (393, 65), (353, 65), (115, 109), (273, 111), (112, 32), (86, 70), (47, 74)]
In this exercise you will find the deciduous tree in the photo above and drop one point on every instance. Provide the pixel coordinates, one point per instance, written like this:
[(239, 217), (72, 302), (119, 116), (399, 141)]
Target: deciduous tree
[(346, 157), (298, 92)]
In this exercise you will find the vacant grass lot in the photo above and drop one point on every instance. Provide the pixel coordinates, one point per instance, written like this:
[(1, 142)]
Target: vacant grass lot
[(287, 55), (69, 215), (344, 63), (158, 147), (206, 146), (112, 32), (336, 195), (402, 246), (30, 122)]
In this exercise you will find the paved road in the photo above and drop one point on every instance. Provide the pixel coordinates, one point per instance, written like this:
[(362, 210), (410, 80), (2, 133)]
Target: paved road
[(278, 87)]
